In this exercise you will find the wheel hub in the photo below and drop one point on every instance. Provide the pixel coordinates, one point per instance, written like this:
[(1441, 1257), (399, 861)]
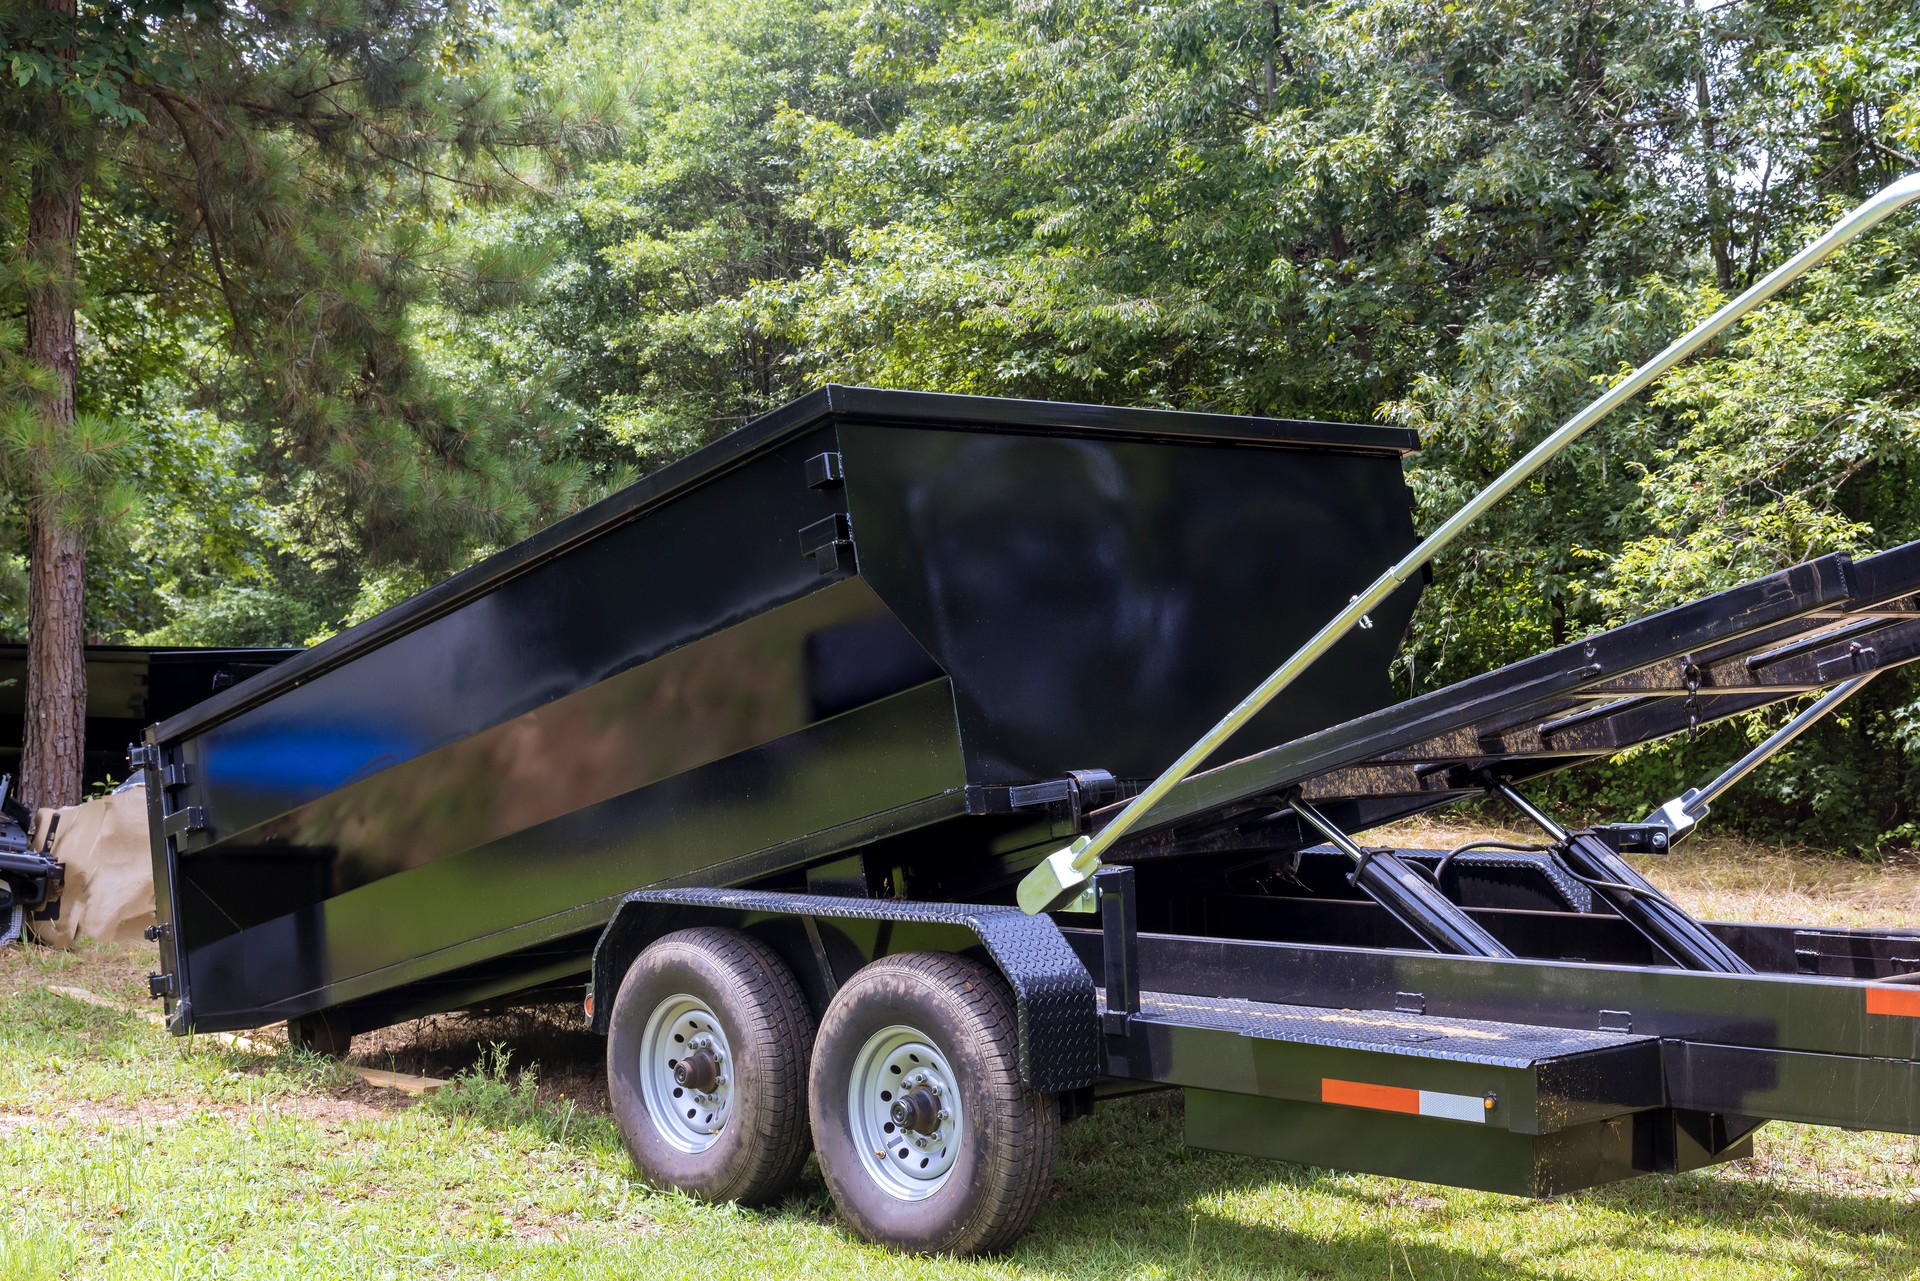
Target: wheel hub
[(916, 1112), (684, 1058), (905, 1112), (699, 1072)]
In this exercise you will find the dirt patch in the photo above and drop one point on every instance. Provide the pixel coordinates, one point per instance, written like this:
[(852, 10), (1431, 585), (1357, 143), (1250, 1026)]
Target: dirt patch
[(569, 1059), (331, 1110), (110, 970)]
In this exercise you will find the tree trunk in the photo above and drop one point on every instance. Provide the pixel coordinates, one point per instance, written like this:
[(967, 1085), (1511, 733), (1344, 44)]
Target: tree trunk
[(56, 665), (56, 596), (1719, 229)]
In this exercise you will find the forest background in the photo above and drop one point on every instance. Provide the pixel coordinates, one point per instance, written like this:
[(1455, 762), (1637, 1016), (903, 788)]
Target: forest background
[(369, 289)]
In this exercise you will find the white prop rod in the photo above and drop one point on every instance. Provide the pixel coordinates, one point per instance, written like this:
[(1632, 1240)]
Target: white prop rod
[(1066, 874)]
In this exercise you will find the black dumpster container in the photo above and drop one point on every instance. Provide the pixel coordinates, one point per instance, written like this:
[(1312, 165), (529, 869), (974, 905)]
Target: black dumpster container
[(865, 615), (128, 688)]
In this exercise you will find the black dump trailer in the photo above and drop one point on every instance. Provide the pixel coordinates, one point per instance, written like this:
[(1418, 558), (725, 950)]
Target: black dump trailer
[(752, 757)]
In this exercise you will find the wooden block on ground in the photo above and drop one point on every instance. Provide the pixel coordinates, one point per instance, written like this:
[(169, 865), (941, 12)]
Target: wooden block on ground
[(402, 1081)]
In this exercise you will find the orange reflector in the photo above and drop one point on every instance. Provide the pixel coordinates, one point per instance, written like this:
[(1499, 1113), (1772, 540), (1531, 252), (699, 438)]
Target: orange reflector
[(589, 1007), (1894, 1000), (1383, 1098)]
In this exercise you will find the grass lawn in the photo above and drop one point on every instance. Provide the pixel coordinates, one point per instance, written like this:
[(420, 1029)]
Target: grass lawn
[(126, 1153)]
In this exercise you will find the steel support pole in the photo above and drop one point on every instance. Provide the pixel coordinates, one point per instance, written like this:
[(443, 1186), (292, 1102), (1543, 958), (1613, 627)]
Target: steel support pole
[(1683, 813), (1062, 878)]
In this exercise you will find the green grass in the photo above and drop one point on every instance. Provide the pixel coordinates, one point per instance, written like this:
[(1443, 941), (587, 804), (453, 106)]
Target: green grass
[(125, 1153)]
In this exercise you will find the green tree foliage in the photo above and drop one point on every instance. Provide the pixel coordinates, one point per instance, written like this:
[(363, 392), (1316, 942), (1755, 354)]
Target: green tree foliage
[(644, 321), (1462, 218), (284, 178)]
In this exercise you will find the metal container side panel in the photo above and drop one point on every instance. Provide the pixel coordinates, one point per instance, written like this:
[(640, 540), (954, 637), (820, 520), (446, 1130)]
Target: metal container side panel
[(762, 679), (714, 556), (1099, 602), (510, 709), (544, 887)]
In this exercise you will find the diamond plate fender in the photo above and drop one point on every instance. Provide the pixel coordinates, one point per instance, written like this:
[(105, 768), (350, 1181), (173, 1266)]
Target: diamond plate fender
[(1053, 993)]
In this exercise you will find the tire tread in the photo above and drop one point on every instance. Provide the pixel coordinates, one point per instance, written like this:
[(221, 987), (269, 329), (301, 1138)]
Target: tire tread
[(778, 1015), (1015, 1178)]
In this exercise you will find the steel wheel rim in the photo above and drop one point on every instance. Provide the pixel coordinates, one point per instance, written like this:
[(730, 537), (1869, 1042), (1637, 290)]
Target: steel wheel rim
[(895, 1063), (689, 1119)]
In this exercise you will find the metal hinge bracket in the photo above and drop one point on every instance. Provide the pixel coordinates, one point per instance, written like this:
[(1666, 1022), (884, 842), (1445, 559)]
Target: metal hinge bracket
[(830, 543)]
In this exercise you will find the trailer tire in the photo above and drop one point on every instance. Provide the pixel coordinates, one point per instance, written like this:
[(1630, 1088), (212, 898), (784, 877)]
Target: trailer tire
[(745, 1138), (948, 1023)]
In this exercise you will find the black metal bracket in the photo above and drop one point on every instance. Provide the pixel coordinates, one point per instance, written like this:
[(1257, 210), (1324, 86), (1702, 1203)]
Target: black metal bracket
[(829, 543), (1633, 838), (1120, 946), (191, 818), (823, 471), (1081, 791)]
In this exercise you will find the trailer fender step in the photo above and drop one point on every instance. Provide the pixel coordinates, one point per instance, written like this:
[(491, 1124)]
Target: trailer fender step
[(1527, 1079)]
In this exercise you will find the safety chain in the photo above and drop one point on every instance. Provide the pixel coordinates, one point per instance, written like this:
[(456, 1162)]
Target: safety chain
[(1690, 672)]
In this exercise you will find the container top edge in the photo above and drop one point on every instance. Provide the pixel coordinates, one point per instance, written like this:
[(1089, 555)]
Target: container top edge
[(833, 401)]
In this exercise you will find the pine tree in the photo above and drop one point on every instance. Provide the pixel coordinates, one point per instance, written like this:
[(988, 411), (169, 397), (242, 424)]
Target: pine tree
[(288, 171)]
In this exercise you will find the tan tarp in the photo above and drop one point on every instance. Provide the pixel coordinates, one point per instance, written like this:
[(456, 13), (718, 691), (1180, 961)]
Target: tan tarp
[(109, 888)]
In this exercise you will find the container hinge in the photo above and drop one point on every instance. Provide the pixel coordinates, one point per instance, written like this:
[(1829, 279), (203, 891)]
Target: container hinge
[(1026, 795), (1083, 789), (823, 471), (1094, 788), (143, 756), (174, 777), (159, 985), (191, 818), (830, 543), (155, 933)]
